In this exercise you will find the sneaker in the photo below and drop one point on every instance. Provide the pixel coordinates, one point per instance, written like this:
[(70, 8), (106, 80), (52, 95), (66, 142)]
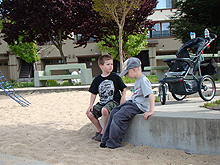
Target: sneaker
[(103, 145), (96, 134), (98, 138)]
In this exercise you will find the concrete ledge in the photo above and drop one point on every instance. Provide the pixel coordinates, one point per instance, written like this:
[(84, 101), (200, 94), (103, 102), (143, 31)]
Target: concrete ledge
[(61, 89), (190, 128)]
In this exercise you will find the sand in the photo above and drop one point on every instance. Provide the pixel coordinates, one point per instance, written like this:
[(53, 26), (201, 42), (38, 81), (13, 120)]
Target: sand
[(54, 129)]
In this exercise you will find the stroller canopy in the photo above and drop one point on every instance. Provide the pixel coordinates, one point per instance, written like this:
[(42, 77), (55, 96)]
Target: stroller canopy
[(197, 43)]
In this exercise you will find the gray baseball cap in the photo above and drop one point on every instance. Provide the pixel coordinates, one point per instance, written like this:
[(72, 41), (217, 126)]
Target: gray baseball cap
[(130, 63)]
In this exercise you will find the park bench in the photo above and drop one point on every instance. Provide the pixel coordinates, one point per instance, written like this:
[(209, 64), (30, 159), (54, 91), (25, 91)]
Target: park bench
[(40, 77), (160, 70)]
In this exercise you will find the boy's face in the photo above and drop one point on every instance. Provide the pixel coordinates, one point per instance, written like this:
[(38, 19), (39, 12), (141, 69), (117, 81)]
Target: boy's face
[(131, 73), (107, 67)]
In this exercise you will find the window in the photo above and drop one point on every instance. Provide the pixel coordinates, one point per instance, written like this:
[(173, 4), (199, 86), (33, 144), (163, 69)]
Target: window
[(47, 62), (79, 36), (161, 30), (91, 39), (163, 4), (165, 29), (156, 33)]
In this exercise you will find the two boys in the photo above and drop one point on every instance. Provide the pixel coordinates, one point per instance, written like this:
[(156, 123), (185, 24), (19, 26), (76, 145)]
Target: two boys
[(142, 102)]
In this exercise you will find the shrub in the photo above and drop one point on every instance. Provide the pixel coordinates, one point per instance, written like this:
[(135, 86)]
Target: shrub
[(126, 79), (157, 98), (66, 83), (152, 78), (24, 84), (52, 83)]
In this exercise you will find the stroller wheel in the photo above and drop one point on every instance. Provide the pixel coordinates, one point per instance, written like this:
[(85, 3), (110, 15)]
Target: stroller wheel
[(178, 97), (207, 88), (162, 94)]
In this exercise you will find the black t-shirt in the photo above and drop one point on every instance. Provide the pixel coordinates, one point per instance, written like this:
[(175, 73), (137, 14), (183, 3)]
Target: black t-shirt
[(108, 88)]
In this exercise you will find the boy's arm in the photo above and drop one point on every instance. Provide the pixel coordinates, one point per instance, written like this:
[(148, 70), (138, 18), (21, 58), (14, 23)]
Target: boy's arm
[(123, 93), (152, 103), (92, 100)]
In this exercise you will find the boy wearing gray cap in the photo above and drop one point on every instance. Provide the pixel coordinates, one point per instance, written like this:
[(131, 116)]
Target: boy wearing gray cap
[(142, 102)]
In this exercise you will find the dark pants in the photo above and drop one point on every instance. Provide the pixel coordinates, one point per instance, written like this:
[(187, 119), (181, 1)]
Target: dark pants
[(118, 122)]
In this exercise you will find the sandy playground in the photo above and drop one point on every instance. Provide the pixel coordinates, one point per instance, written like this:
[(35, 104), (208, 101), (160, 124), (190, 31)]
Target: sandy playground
[(54, 129)]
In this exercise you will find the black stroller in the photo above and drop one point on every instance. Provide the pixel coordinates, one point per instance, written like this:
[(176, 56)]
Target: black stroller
[(184, 75)]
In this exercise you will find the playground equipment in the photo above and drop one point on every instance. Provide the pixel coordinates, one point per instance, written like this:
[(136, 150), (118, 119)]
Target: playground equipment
[(9, 90)]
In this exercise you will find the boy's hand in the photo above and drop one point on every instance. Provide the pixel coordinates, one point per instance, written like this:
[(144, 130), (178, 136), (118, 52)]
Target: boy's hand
[(89, 109), (122, 100), (146, 114)]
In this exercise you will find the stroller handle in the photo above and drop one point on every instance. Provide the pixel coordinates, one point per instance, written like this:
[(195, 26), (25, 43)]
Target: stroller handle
[(211, 38), (215, 36)]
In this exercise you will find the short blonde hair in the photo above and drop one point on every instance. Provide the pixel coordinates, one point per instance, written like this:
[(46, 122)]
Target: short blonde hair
[(103, 58)]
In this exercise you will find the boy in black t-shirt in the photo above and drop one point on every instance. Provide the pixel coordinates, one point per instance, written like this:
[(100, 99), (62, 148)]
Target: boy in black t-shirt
[(108, 85)]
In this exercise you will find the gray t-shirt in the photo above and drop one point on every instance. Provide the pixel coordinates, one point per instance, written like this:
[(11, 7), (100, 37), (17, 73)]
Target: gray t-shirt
[(142, 89)]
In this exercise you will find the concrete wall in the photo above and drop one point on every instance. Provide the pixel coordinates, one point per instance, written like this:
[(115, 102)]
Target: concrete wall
[(3, 46), (193, 135), (161, 14), (4, 58)]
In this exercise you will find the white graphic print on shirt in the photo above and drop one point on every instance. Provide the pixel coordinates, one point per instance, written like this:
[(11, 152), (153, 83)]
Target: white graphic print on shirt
[(106, 91)]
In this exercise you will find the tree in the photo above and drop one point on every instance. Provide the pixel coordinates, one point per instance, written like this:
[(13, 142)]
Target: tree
[(26, 51), (119, 11), (132, 47), (195, 16), (44, 20)]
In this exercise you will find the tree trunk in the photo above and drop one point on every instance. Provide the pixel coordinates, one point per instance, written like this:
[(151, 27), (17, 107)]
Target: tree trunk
[(64, 61), (120, 47), (62, 54), (59, 46)]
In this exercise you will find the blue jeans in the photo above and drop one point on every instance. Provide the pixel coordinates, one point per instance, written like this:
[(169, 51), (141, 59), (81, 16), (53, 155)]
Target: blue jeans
[(118, 122)]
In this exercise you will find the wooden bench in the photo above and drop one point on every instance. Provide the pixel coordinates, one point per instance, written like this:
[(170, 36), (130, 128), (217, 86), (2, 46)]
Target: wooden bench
[(40, 77), (160, 69)]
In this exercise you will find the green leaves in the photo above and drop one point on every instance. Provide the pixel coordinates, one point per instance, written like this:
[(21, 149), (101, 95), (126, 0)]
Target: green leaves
[(132, 47), (26, 51), (135, 44), (195, 16), (44, 21)]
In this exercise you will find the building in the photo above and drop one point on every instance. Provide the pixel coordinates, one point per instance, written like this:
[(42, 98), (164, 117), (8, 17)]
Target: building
[(160, 42)]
